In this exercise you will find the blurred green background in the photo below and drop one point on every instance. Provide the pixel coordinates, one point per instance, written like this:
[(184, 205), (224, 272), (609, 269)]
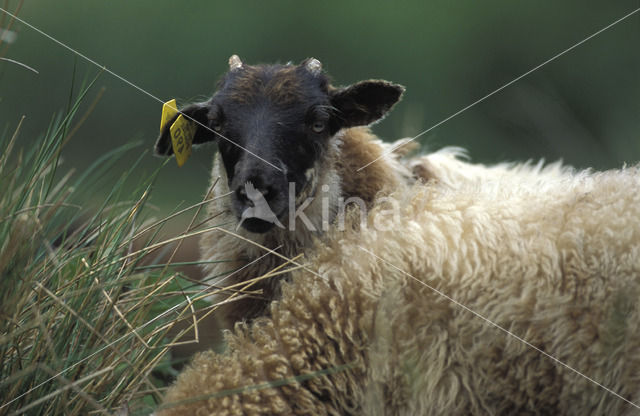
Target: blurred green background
[(582, 108)]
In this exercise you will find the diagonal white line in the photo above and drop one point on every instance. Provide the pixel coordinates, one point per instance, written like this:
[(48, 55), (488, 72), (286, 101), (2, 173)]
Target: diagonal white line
[(501, 328), (394, 148), (105, 69)]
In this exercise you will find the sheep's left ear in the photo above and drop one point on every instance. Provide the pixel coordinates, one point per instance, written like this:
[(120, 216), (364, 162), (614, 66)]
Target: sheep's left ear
[(365, 102), (198, 112)]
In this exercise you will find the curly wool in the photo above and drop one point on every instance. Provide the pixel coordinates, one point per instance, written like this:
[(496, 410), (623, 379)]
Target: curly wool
[(228, 257), (549, 255)]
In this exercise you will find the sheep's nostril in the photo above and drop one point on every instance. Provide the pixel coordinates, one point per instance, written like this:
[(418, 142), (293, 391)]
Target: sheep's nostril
[(269, 193), (241, 194), (250, 195)]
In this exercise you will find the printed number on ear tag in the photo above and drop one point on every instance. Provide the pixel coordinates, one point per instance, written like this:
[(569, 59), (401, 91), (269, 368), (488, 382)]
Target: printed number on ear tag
[(182, 132)]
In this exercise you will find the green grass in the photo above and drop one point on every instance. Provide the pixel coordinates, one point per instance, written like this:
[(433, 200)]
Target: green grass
[(84, 324)]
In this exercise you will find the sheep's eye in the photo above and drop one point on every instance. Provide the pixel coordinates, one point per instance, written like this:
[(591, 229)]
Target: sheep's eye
[(318, 126)]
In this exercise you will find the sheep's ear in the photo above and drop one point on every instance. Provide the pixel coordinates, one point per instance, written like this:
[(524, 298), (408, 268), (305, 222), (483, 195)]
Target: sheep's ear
[(198, 112), (365, 102)]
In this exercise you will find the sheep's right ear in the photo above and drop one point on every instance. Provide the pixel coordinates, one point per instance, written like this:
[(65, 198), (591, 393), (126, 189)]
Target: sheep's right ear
[(198, 112)]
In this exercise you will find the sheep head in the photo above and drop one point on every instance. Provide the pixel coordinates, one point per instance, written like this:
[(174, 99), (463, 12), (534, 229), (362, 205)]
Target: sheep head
[(273, 124)]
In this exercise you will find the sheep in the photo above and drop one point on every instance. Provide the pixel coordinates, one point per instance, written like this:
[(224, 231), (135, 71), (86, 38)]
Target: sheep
[(413, 319), (510, 289), (289, 146)]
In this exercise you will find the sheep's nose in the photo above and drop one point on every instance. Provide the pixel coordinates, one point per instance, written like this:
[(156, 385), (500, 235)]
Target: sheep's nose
[(253, 192)]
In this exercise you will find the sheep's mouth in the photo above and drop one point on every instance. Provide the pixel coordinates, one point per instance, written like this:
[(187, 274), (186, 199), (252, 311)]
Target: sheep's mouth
[(260, 215), (257, 225)]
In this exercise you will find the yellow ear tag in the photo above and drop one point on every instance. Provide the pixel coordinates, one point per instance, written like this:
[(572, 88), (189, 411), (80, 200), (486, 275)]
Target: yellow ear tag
[(181, 131), (169, 109)]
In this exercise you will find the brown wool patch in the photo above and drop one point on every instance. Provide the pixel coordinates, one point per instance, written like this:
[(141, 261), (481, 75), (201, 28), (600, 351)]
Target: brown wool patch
[(282, 87), (358, 149)]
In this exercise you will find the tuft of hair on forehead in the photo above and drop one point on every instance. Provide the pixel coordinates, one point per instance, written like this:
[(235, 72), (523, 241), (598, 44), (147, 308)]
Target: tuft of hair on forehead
[(282, 84)]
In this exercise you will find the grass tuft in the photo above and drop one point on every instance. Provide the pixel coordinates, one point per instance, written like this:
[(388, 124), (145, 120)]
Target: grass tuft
[(84, 323)]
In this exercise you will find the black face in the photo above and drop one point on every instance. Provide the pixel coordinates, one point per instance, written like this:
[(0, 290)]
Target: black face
[(273, 125), (278, 118)]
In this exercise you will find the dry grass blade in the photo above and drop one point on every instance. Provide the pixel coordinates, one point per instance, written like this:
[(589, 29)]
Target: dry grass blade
[(20, 64), (12, 20), (124, 319), (67, 385), (176, 214), (9, 148), (269, 250)]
